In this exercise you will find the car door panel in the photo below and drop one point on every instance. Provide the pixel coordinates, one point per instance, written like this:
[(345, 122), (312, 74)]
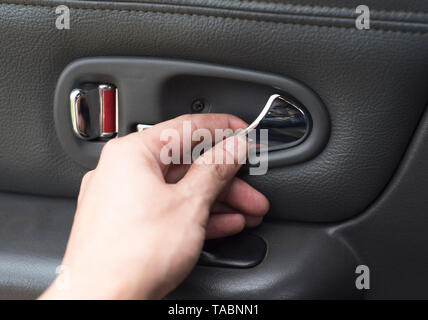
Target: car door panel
[(372, 83)]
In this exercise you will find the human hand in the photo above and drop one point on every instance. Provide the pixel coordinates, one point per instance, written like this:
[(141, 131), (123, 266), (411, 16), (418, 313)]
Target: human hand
[(140, 224)]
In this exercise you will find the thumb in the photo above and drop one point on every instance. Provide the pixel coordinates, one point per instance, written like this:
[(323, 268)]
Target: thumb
[(211, 172)]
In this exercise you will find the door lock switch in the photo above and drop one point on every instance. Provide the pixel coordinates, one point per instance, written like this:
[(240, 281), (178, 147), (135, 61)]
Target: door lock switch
[(94, 111)]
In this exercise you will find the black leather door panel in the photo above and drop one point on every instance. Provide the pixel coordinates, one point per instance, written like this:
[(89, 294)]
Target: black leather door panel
[(373, 88), (391, 235)]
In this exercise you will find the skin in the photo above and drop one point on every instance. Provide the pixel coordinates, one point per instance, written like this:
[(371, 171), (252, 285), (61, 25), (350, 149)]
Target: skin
[(140, 225)]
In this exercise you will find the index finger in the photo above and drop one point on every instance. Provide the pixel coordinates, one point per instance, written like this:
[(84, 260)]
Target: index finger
[(152, 137)]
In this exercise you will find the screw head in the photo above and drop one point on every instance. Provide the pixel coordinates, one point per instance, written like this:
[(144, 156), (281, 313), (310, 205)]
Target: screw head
[(198, 105)]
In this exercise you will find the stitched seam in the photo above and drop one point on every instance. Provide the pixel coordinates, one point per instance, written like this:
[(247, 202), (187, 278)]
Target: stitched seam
[(42, 6), (301, 6), (327, 7), (344, 14)]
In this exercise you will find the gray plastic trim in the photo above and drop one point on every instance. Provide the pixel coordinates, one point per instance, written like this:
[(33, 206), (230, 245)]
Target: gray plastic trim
[(140, 83), (303, 261)]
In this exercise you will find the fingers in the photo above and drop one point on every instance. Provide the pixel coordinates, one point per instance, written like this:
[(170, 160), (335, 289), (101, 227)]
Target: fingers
[(198, 121), (240, 199), (128, 155), (227, 224), (212, 171), (223, 225), (250, 220), (183, 128), (147, 146), (238, 196), (244, 198)]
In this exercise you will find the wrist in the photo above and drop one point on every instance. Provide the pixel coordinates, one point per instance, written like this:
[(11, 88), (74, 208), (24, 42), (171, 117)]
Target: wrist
[(93, 290)]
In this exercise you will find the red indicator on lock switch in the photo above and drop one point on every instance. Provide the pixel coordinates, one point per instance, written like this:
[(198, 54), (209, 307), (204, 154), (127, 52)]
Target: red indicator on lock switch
[(109, 111)]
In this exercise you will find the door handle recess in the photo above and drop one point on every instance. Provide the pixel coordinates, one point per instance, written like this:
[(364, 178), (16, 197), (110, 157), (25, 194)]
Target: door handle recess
[(125, 92), (244, 250), (94, 112)]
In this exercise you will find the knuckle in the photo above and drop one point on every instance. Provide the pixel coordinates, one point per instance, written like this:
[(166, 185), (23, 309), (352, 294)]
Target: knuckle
[(86, 177), (227, 153), (220, 172), (110, 146), (118, 147), (186, 194), (192, 197)]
